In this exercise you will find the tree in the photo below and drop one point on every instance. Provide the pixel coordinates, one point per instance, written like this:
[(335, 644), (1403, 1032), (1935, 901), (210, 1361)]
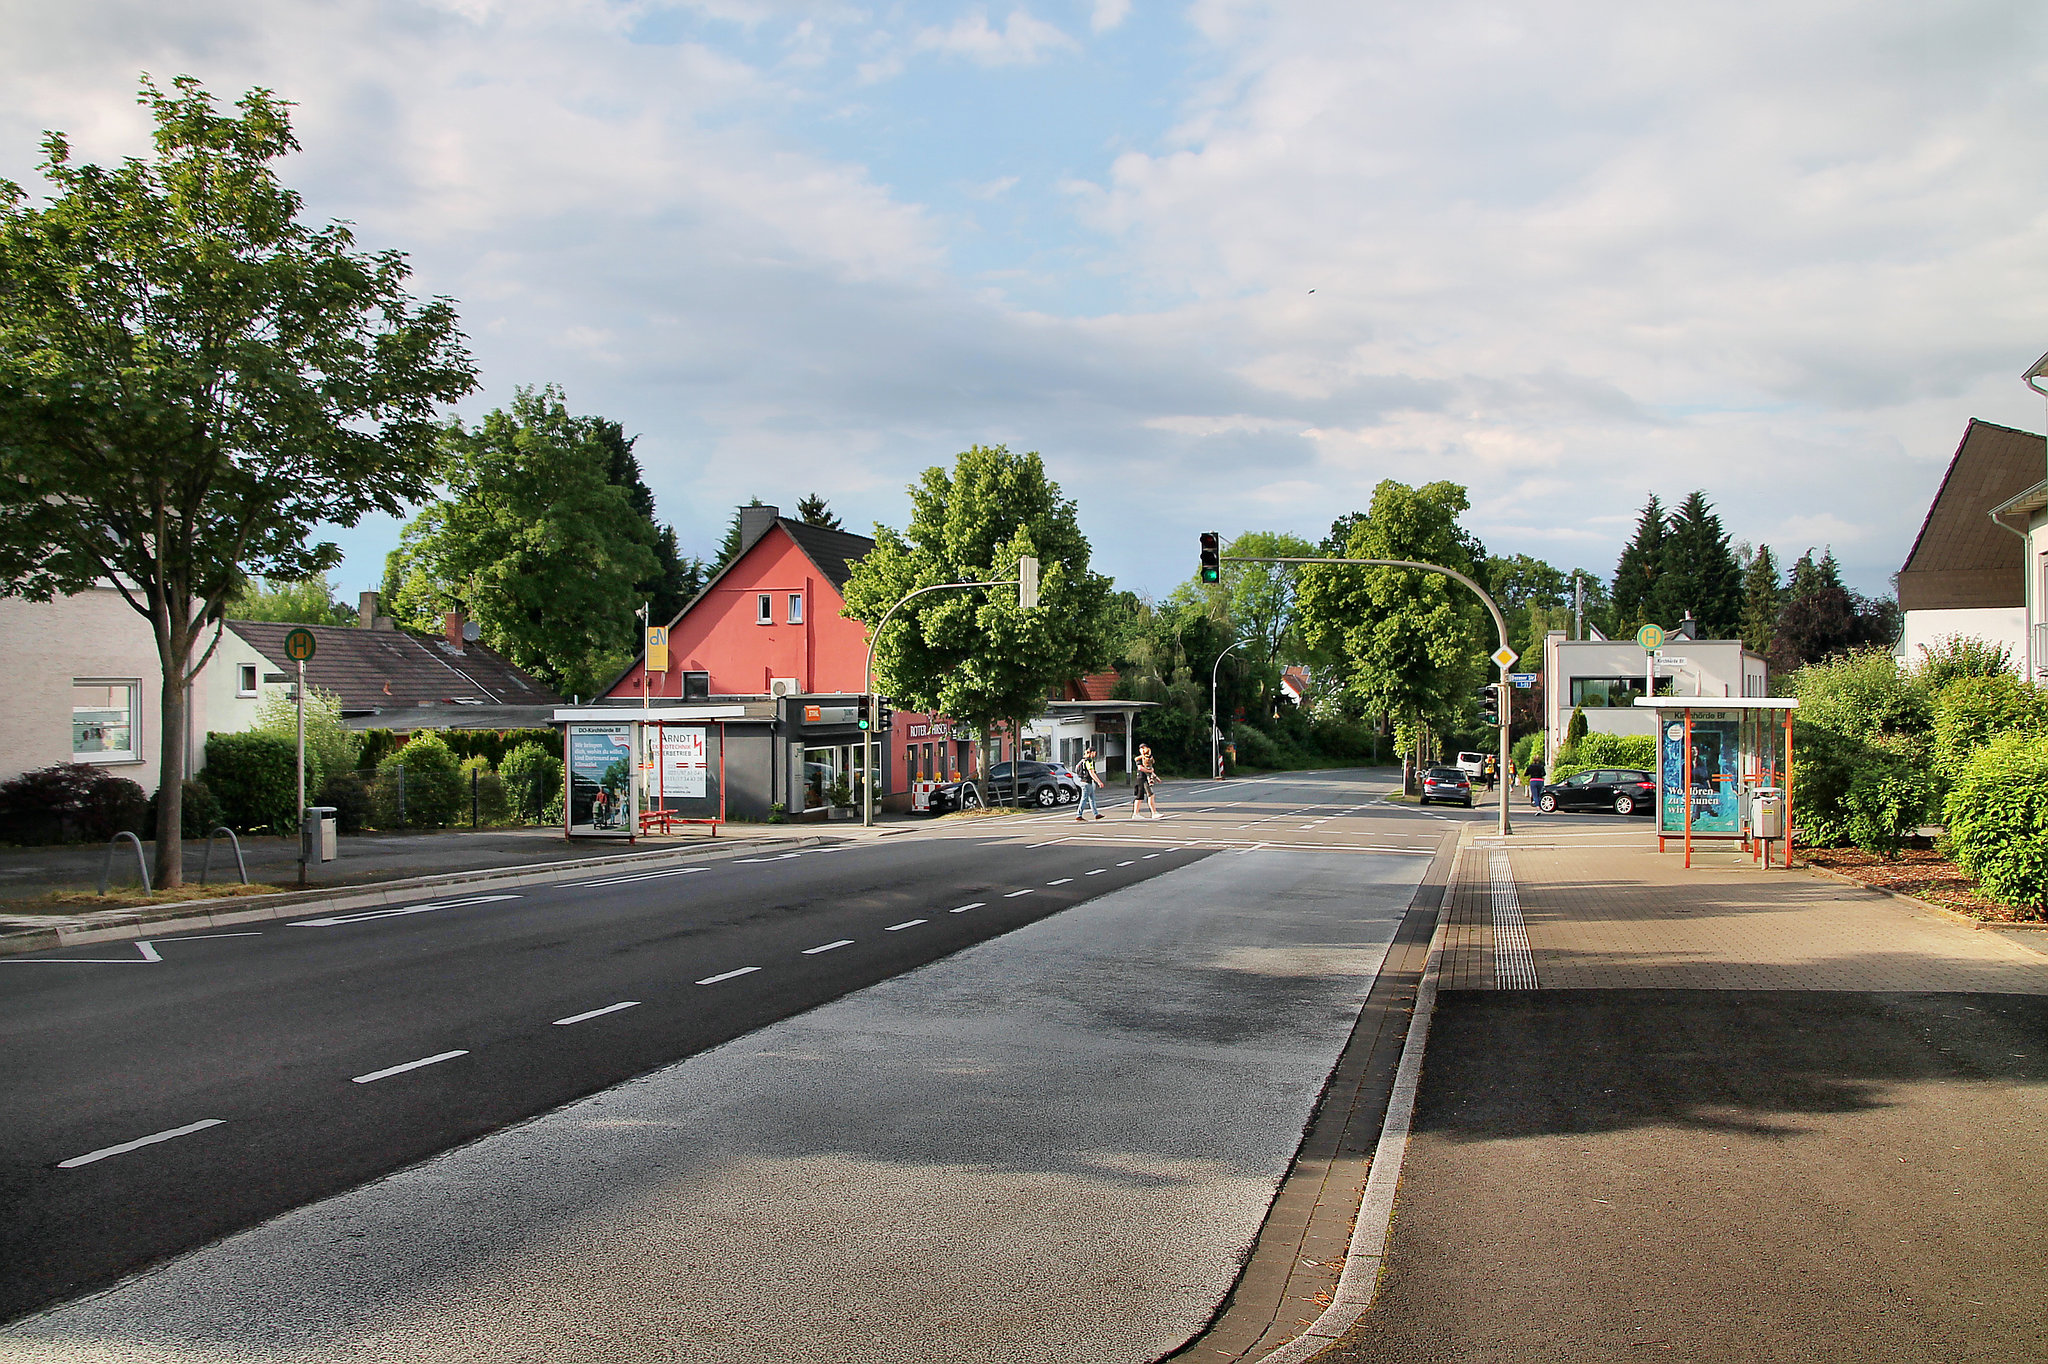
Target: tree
[(309, 601), (1259, 601), (1410, 641), (190, 377), (813, 511), (1635, 575), (1762, 599), (729, 548), (535, 542), (974, 654), (676, 579), (1823, 618), (1535, 598), (1697, 572)]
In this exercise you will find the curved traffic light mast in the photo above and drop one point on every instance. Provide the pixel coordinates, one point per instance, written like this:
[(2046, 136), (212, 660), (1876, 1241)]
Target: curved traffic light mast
[(1503, 657)]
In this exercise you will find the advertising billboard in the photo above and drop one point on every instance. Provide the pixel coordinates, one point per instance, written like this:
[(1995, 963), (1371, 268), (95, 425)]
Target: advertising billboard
[(1711, 789)]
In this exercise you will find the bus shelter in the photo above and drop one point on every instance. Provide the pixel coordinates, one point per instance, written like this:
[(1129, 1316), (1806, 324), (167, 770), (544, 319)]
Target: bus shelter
[(1724, 771), (630, 773)]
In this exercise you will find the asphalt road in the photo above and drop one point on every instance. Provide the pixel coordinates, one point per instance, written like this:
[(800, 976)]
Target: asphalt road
[(160, 1095)]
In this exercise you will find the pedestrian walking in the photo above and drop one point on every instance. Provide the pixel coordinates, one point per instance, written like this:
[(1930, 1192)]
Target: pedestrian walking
[(1148, 782), (1535, 788), (1491, 767), (1090, 779)]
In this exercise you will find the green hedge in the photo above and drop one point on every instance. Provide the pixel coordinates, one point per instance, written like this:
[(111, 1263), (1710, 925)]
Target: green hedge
[(1998, 821), (1595, 749), (254, 776), (531, 775), (1970, 711), (492, 745), (431, 792)]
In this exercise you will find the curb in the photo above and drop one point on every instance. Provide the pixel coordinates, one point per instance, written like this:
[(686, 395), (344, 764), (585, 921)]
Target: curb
[(115, 925), (1967, 920)]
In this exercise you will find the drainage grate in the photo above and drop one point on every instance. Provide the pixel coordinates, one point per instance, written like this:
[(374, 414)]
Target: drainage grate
[(1514, 968)]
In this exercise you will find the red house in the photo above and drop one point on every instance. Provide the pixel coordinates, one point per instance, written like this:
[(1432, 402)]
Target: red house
[(767, 632)]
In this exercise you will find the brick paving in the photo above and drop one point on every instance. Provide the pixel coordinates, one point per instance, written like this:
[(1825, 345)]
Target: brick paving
[(1610, 912)]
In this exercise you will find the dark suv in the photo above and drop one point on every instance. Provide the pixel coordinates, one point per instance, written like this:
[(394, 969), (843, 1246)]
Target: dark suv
[(1037, 782)]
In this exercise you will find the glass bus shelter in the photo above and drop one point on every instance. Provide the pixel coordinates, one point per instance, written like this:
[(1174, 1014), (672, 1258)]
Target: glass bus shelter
[(1724, 771)]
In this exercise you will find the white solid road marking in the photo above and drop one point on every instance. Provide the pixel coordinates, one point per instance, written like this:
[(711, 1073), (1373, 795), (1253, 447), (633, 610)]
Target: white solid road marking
[(1061, 882), (641, 876), (1015, 893), (964, 908), (409, 1065), (597, 1013), (395, 913), (728, 975), (90, 1156), (828, 946), (148, 955), (907, 923), (195, 937)]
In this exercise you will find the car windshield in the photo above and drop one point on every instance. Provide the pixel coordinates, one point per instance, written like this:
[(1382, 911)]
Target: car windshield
[(1446, 774)]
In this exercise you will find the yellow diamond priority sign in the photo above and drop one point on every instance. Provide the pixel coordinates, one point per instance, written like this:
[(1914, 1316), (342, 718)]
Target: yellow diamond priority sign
[(1505, 657)]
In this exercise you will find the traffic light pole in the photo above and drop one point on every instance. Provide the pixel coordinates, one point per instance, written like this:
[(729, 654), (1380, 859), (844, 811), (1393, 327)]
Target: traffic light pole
[(1215, 731), (867, 799), (1500, 626)]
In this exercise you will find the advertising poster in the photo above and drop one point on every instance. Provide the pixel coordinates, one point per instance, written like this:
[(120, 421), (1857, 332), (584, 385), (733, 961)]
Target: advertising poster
[(676, 764), (1711, 786), (600, 779)]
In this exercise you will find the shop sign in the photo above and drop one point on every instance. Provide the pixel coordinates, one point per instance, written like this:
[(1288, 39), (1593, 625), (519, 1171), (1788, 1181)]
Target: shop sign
[(676, 756), (933, 731), (831, 715)]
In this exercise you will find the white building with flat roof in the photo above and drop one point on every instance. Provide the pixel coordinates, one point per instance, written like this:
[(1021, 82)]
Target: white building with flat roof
[(1603, 677)]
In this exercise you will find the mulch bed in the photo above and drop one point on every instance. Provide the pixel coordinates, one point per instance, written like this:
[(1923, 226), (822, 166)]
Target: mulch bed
[(1923, 874)]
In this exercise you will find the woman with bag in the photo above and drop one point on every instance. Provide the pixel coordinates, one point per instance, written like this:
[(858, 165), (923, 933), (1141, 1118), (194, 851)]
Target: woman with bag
[(1148, 782)]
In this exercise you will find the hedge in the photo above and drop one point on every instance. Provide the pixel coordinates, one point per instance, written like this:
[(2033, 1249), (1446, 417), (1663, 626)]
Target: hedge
[(1998, 821), (430, 792), (531, 775), (254, 776), (1595, 749), (69, 801), (492, 745)]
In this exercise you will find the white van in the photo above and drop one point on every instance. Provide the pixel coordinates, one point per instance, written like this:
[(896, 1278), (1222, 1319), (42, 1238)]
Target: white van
[(1472, 764)]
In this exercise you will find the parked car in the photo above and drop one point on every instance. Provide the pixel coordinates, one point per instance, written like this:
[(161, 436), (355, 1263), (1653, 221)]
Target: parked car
[(1446, 784), (1472, 764), (1624, 790), (1039, 786), (1070, 785)]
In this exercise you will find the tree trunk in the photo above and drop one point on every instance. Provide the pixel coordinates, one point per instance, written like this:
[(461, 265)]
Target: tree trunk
[(174, 654)]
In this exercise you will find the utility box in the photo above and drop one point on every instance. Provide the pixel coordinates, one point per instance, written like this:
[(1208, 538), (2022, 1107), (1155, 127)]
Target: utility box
[(317, 833), (1767, 813)]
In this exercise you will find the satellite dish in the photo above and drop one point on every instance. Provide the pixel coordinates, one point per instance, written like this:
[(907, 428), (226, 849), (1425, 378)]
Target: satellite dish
[(471, 632)]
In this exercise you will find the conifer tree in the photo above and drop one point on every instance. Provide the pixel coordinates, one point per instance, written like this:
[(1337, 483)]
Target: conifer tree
[(1762, 599), (1641, 563), (1698, 573)]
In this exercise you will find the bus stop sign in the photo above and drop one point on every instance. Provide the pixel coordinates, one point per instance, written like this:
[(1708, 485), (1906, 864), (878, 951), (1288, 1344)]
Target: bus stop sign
[(299, 645)]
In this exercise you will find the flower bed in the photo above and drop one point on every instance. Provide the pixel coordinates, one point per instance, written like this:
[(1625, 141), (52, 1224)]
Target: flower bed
[(1923, 874)]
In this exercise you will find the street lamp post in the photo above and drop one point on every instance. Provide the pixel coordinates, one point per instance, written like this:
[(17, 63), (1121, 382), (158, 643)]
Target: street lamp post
[(1215, 730)]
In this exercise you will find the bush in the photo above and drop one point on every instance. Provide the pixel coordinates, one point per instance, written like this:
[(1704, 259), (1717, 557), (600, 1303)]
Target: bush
[(1972, 710), (69, 801), (330, 744), (430, 792), (1527, 749), (1961, 656), (531, 776), (349, 794), (1254, 747), (198, 812), (254, 775), (483, 792), (1885, 802), (1998, 821)]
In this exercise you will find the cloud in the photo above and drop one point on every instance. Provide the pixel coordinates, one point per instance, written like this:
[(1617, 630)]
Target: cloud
[(1022, 40), (1109, 14)]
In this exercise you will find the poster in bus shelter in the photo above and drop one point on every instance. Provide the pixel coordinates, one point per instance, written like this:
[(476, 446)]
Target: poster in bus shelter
[(600, 780), (676, 764), (1711, 786)]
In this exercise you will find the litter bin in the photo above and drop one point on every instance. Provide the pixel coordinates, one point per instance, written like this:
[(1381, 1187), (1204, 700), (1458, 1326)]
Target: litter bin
[(1767, 813), (316, 833)]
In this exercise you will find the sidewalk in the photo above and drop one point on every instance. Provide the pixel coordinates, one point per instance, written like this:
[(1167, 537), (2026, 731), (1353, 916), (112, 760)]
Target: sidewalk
[(1717, 1114)]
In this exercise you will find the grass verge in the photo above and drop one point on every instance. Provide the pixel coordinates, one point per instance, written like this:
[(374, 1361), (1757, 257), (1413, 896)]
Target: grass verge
[(70, 902)]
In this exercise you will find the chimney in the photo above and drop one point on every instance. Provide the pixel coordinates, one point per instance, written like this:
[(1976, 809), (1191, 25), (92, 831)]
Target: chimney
[(755, 522), (366, 611), (451, 626)]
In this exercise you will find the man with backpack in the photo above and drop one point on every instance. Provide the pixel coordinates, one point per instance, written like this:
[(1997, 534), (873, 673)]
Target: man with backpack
[(1085, 770)]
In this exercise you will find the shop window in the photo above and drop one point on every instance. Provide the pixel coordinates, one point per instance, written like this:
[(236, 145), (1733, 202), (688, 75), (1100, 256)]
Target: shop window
[(764, 609), (245, 680), (796, 608), (103, 728)]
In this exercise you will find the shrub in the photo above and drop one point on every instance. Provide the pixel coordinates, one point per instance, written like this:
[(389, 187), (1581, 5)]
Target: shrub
[(1254, 747), (1961, 656), (1618, 750), (483, 792), (1998, 820), (1861, 694), (429, 793), (1576, 729), (69, 801), (376, 746), (1972, 710), (198, 812), (1527, 749), (531, 775), (254, 775), (1885, 802), (349, 794), (330, 743)]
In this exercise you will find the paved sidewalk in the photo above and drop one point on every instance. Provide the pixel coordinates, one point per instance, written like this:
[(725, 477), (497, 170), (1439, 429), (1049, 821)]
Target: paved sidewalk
[(1717, 1114)]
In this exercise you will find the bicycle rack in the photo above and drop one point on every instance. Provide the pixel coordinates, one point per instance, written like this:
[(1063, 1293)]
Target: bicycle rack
[(206, 863), (141, 864)]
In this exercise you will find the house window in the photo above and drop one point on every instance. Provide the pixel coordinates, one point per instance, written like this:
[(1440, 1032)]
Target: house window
[(245, 680), (764, 609), (796, 608), (103, 728), (1608, 692)]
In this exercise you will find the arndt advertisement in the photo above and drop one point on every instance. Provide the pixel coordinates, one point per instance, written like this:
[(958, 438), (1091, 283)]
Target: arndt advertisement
[(675, 764), (600, 780), (1711, 787)]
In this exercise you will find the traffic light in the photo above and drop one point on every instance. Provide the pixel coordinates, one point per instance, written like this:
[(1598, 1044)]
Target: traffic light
[(1212, 557), (1489, 703), (885, 712), (866, 716)]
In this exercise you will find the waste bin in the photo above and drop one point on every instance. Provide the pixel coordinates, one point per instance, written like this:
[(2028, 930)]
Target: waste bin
[(316, 833), (1767, 812)]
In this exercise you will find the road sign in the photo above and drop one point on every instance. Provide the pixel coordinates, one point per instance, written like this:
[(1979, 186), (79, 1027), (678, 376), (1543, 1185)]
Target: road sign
[(1505, 657), (1651, 637), (1523, 680), (299, 645)]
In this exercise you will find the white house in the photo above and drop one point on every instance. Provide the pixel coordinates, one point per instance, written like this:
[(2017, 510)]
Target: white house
[(2030, 509), (1967, 571), (1603, 677)]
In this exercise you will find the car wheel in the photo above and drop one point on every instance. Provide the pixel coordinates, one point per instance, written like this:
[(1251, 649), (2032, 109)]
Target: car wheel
[(1468, 805), (1547, 804), (1047, 798), (1623, 805), (1422, 800)]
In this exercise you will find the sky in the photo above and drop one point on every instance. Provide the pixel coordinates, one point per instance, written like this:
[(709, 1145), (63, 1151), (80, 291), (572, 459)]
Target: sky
[(1225, 264)]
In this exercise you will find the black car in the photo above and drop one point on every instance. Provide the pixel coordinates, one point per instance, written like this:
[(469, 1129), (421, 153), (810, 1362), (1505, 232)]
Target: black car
[(1039, 784), (1624, 790), (1447, 784)]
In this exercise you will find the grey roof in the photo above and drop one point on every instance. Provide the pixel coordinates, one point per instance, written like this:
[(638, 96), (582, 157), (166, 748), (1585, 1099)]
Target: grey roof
[(833, 551), (1961, 559), (390, 670)]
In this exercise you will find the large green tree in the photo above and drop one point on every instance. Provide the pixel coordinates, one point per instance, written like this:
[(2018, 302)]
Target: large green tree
[(309, 601), (1260, 602), (1635, 575), (975, 654), (191, 376), (1414, 644), (534, 541), (1698, 573), (1763, 597)]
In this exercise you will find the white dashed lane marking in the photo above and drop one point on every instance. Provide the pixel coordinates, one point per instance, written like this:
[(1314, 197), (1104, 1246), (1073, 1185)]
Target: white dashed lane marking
[(1061, 882), (389, 1071), (1127, 864), (728, 975), (152, 1139), (964, 908), (597, 1013), (1015, 893), (827, 947), (907, 923), (1098, 871)]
